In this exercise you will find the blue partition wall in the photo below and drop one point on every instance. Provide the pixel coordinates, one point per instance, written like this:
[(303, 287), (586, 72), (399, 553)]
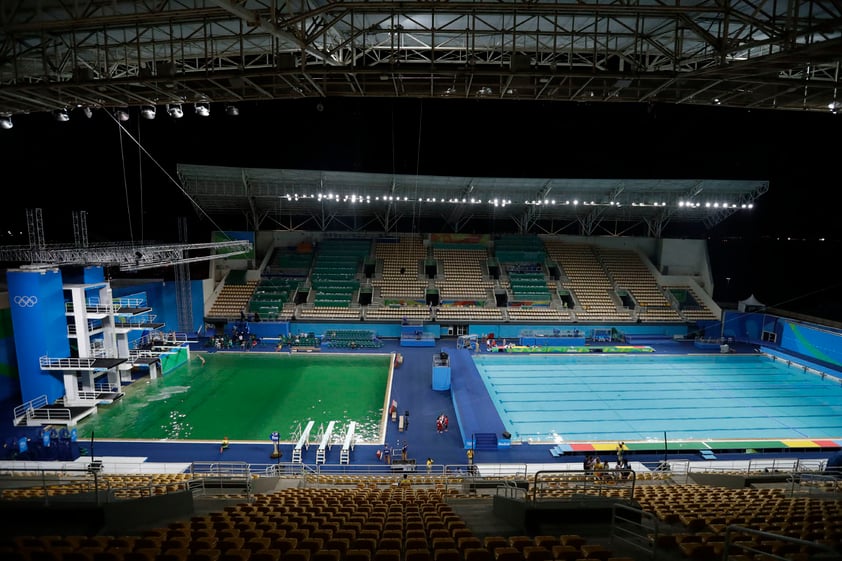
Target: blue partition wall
[(807, 340), (819, 343), (163, 300), (36, 300), (92, 274), (9, 381)]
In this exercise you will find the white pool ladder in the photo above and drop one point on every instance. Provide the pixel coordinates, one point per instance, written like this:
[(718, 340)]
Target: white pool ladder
[(303, 442), (348, 444), (324, 445)]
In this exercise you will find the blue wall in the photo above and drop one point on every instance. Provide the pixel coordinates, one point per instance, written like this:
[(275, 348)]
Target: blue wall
[(36, 299), (161, 297), (9, 379), (811, 341)]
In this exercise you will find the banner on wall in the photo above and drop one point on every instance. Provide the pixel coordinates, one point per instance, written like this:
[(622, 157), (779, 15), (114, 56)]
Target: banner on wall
[(460, 239)]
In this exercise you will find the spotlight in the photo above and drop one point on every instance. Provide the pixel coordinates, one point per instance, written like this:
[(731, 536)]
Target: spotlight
[(203, 109), (88, 112), (61, 115), (232, 110), (175, 111), (148, 111), (6, 121), (122, 114)]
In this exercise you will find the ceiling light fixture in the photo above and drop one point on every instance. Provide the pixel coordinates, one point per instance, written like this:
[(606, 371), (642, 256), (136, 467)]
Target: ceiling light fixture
[(203, 109), (148, 111), (232, 110), (122, 114), (175, 111), (61, 115), (6, 121)]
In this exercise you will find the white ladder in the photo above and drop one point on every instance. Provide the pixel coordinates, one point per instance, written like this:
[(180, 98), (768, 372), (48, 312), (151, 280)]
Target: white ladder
[(303, 442), (348, 445), (324, 445)]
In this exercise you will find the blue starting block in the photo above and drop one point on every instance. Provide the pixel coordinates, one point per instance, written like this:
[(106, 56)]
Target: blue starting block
[(707, 454), (559, 450)]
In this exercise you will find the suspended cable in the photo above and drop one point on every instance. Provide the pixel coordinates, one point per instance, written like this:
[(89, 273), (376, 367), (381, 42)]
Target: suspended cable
[(140, 184), (125, 181), (417, 164), (170, 177)]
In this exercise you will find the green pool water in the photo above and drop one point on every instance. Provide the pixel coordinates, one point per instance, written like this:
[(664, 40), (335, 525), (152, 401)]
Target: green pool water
[(247, 396)]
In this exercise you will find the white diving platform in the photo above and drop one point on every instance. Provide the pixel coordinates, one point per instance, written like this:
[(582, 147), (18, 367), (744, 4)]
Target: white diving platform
[(303, 442), (348, 444), (324, 445)]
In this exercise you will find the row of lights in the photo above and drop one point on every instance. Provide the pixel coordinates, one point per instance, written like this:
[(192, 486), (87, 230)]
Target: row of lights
[(834, 106), (506, 202), (174, 110)]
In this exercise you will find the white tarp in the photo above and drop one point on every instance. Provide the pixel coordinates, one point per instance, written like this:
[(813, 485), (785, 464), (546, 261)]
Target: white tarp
[(750, 304)]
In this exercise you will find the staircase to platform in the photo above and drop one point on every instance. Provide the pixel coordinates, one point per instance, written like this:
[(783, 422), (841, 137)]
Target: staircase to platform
[(485, 441)]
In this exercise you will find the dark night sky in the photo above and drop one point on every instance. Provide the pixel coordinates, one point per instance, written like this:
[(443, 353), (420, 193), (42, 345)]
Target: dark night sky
[(86, 164)]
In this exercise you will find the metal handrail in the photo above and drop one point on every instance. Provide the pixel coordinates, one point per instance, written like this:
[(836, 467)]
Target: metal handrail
[(815, 547)]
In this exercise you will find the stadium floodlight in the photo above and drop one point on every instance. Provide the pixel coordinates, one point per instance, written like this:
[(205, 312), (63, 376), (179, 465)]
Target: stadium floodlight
[(175, 111), (6, 121), (61, 115), (148, 111), (232, 110), (203, 109), (122, 114)]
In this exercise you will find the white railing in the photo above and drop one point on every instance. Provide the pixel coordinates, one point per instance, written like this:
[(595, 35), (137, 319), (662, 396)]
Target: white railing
[(772, 465), (736, 544), (93, 305), (52, 414), (129, 302), (227, 469), (71, 363), (22, 410), (816, 482), (105, 387), (86, 395)]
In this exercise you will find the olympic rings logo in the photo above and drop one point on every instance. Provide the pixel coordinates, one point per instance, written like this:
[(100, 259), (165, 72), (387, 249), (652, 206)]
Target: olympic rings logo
[(26, 301)]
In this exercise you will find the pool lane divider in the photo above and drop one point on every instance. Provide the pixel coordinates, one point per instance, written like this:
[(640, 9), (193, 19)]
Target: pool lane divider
[(575, 349), (722, 446)]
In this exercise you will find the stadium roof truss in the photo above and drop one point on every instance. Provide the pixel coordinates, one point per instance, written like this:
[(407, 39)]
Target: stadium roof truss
[(95, 54), (349, 201), (125, 256)]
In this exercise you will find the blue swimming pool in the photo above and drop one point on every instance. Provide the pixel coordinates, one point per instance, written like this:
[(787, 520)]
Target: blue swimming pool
[(600, 397)]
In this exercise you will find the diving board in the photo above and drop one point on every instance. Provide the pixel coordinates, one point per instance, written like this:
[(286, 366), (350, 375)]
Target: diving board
[(348, 445), (303, 442), (324, 445)]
